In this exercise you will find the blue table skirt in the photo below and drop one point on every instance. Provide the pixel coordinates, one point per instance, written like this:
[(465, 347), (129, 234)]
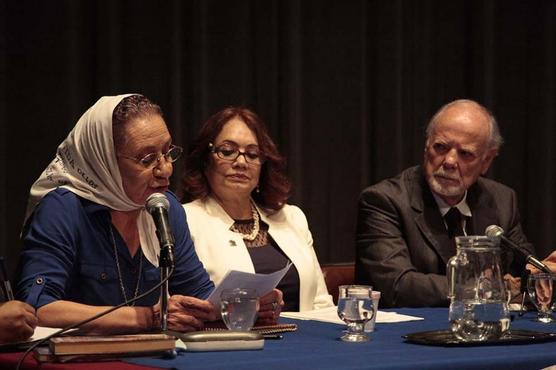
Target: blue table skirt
[(315, 345)]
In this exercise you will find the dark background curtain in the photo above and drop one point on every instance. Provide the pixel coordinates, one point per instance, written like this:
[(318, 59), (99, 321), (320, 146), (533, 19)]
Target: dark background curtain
[(346, 88)]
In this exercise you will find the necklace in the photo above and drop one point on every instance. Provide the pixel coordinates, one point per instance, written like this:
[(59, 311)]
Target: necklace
[(255, 230), (120, 272)]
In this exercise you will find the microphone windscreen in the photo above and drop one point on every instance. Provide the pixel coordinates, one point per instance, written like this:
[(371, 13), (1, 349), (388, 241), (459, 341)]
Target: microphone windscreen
[(494, 230), (157, 200)]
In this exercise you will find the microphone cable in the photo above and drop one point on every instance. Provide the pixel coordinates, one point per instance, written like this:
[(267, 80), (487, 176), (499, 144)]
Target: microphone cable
[(83, 322)]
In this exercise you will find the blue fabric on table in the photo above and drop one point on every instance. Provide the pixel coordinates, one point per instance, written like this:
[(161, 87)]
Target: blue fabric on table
[(69, 254), (315, 345)]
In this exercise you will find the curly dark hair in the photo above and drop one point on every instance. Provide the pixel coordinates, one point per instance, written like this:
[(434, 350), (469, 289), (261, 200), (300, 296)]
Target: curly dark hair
[(130, 108), (274, 186)]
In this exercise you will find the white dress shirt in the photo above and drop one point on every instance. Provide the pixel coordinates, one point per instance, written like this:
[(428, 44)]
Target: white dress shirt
[(462, 207)]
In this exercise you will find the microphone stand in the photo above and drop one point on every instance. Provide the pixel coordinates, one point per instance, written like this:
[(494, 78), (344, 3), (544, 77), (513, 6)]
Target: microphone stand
[(157, 205), (166, 263)]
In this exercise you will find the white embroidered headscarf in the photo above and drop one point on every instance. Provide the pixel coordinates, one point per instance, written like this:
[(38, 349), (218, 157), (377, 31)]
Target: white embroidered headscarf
[(86, 164)]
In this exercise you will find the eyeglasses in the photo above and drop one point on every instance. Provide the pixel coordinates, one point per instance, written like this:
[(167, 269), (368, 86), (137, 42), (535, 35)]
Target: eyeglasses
[(151, 159), (230, 152)]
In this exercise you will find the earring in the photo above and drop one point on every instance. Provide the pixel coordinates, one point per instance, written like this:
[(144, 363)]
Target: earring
[(257, 190)]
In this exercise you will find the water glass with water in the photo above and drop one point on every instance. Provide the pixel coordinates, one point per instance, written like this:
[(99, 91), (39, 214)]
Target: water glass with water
[(355, 308), (239, 308), (540, 288)]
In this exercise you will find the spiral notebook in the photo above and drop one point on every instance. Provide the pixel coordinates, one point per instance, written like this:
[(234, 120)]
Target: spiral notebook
[(261, 329)]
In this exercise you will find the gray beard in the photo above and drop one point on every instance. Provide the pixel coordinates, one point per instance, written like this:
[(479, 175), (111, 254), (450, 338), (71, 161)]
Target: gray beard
[(447, 191)]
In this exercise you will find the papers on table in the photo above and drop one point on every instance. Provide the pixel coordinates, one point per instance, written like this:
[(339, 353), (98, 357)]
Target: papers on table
[(42, 332), (515, 307), (330, 315), (262, 283)]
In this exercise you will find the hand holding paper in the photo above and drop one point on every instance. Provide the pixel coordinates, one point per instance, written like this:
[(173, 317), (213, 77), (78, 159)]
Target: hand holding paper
[(186, 313), (262, 283), (271, 306), (17, 321)]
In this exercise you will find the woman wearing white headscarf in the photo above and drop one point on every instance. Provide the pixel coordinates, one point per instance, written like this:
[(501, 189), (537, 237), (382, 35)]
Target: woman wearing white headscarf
[(88, 241)]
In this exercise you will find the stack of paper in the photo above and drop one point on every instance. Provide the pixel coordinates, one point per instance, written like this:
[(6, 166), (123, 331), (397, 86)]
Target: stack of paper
[(330, 315)]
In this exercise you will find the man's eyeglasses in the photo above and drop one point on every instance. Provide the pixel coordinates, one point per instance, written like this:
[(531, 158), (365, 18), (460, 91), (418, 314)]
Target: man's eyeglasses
[(151, 159), (230, 152)]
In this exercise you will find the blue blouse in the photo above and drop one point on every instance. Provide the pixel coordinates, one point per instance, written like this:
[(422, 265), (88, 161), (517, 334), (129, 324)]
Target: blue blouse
[(68, 254)]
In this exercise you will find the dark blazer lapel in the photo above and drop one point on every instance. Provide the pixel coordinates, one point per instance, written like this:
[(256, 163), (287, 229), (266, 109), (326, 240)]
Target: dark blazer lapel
[(483, 209), (486, 211), (428, 218)]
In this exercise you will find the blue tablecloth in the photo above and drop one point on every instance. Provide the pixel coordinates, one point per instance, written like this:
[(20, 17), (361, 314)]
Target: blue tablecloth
[(315, 345)]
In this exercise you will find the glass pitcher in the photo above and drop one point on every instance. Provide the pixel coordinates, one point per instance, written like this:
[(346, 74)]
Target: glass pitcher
[(478, 305)]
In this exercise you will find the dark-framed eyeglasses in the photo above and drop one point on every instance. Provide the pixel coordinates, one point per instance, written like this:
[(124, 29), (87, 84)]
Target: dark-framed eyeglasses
[(230, 152), (151, 159)]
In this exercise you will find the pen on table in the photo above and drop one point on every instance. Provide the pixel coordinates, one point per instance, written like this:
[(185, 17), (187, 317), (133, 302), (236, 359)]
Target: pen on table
[(272, 336), (6, 286)]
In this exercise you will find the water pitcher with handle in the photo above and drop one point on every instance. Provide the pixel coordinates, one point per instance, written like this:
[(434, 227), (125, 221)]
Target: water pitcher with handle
[(478, 305)]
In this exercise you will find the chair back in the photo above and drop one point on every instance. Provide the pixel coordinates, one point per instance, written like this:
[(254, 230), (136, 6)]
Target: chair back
[(336, 274)]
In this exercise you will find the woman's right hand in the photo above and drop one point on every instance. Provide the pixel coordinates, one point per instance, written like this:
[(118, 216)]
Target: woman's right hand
[(17, 321), (185, 313), (270, 306)]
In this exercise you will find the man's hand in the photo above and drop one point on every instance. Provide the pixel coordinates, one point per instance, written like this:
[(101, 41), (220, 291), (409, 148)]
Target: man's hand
[(549, 261), (17, 321), (185, 313)]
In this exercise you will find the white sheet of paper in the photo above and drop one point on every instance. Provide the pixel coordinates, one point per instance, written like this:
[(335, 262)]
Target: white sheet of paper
[(330, 314), (515, 307), (39, 333), (42, 332), (262, 283)]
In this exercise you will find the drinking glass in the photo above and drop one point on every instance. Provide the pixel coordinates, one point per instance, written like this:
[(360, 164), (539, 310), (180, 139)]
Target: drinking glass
[(355, 308), (239, 308), (541, 292)]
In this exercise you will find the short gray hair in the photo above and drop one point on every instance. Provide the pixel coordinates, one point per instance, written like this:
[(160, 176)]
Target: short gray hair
[(130, 108), (495, 141)]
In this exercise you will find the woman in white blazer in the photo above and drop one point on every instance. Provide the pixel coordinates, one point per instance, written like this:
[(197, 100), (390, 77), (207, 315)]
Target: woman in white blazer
[(237, 190)]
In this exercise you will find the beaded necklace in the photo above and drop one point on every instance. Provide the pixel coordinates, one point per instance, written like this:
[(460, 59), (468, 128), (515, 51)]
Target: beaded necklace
[(256, 225)]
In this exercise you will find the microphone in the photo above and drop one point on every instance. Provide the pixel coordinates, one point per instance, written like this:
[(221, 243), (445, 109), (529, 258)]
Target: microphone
[(497, 231), (157, 205)]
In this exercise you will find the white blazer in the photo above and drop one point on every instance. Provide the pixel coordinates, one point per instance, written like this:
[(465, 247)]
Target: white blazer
[(221, 249)]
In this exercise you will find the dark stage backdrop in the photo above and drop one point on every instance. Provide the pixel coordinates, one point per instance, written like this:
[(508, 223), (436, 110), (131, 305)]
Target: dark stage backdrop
[(346, 88)]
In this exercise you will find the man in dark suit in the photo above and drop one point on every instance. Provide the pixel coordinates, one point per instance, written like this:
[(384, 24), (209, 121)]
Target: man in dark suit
[(407, 224)]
